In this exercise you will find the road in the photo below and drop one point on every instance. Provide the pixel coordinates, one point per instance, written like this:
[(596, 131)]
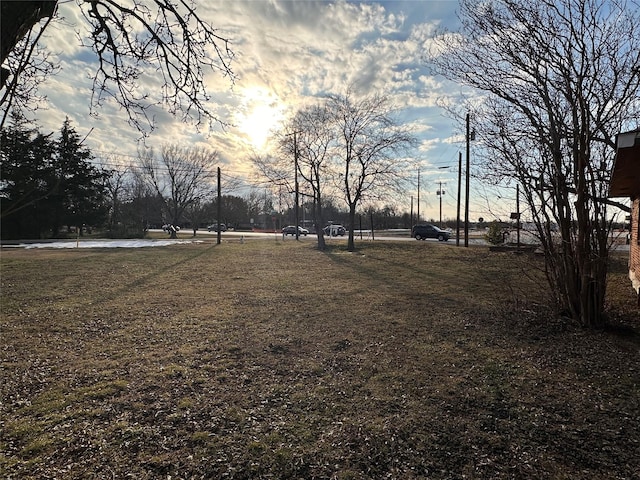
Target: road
[(397, 236), (186, 236)]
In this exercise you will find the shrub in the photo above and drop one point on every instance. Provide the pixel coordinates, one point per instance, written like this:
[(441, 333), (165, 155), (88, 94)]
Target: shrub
[(495, 234)]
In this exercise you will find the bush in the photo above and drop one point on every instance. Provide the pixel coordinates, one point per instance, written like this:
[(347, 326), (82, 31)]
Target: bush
[(495, 234)]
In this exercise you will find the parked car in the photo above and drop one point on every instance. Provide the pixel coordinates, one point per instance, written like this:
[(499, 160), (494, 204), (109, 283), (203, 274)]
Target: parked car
[(214, 227), (334, 230), (291, 230), (422, 232)]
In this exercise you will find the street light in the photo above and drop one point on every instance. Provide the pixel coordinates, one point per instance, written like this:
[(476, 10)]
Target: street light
[(418, 218), (458, 199), (295, 161)]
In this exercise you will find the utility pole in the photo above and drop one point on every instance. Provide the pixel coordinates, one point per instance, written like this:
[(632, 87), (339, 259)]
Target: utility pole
[(295, 161), (296, 186), (411, 218), (518, 213), (466, 196), (219, 210), (440, 193), (418, 215), (458, 211)]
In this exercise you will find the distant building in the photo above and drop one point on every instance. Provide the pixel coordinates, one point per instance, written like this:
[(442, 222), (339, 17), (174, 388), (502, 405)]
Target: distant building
[(625, 182)]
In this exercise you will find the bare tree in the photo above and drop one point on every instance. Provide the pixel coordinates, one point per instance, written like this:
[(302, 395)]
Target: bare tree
[(128, 38), (370, 148), (560, 78), (343, 146), (313, 146), (142, 205), (306, 145), (116, 185), (195, 213), (278, 172), (257, 204), (182, 177)]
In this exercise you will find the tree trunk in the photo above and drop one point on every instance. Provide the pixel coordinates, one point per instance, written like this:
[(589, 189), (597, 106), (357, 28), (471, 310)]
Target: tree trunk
[(351, 245), (318, 217)]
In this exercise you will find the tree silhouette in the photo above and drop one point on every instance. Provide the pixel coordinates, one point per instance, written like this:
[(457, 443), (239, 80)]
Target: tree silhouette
[(48, 184), (181, 177), (559, 79), (166, 37), (369, 150)]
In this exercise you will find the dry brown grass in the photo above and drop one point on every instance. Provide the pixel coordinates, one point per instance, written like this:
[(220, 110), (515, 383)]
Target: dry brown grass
[(274, 360)]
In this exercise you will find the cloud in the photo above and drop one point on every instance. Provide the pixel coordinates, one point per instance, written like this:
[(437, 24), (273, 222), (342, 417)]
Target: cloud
[(287, 53)]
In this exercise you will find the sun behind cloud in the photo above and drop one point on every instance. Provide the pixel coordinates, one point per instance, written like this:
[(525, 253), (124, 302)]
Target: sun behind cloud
[(261, 113)]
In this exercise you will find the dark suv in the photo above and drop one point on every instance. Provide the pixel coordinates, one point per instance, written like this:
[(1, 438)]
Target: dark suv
[(421, 232)]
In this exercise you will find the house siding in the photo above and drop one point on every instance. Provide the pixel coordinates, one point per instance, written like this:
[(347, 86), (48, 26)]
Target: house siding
[(634, 246)]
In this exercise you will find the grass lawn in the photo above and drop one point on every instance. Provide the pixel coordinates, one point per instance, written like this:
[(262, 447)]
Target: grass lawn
[(273, 360)]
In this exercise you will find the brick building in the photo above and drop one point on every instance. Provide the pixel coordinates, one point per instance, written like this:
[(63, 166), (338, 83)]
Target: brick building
[(625, 182)]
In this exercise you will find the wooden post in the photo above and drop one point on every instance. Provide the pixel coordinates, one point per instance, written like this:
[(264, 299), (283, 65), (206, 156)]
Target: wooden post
[(458, 212), (219, 210), (295, 161), (373, 237), (518, 214)]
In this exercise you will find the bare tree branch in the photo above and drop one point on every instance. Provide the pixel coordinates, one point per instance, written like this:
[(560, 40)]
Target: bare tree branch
[(134, 40), (27, 68)]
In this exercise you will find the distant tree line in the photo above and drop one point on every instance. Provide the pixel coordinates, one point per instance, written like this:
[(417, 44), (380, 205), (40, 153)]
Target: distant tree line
[(53, 185)]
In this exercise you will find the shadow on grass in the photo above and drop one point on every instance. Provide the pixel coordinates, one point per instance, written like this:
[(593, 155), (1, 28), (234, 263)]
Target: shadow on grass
[(161, 270), (467, 280)]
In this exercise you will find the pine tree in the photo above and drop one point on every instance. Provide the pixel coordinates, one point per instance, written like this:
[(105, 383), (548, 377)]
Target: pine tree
[(78, 187), (24, 169), (47, 184)]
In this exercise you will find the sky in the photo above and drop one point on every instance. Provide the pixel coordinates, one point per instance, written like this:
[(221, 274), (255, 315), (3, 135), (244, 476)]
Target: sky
[(287, 54)]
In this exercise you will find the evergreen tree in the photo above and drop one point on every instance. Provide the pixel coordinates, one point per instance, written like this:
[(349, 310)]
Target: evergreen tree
[(47, 184), (24, 169), (79, 188)]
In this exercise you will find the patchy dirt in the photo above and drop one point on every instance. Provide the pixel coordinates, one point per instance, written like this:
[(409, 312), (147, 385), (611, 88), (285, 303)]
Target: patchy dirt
[(266, 360)]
